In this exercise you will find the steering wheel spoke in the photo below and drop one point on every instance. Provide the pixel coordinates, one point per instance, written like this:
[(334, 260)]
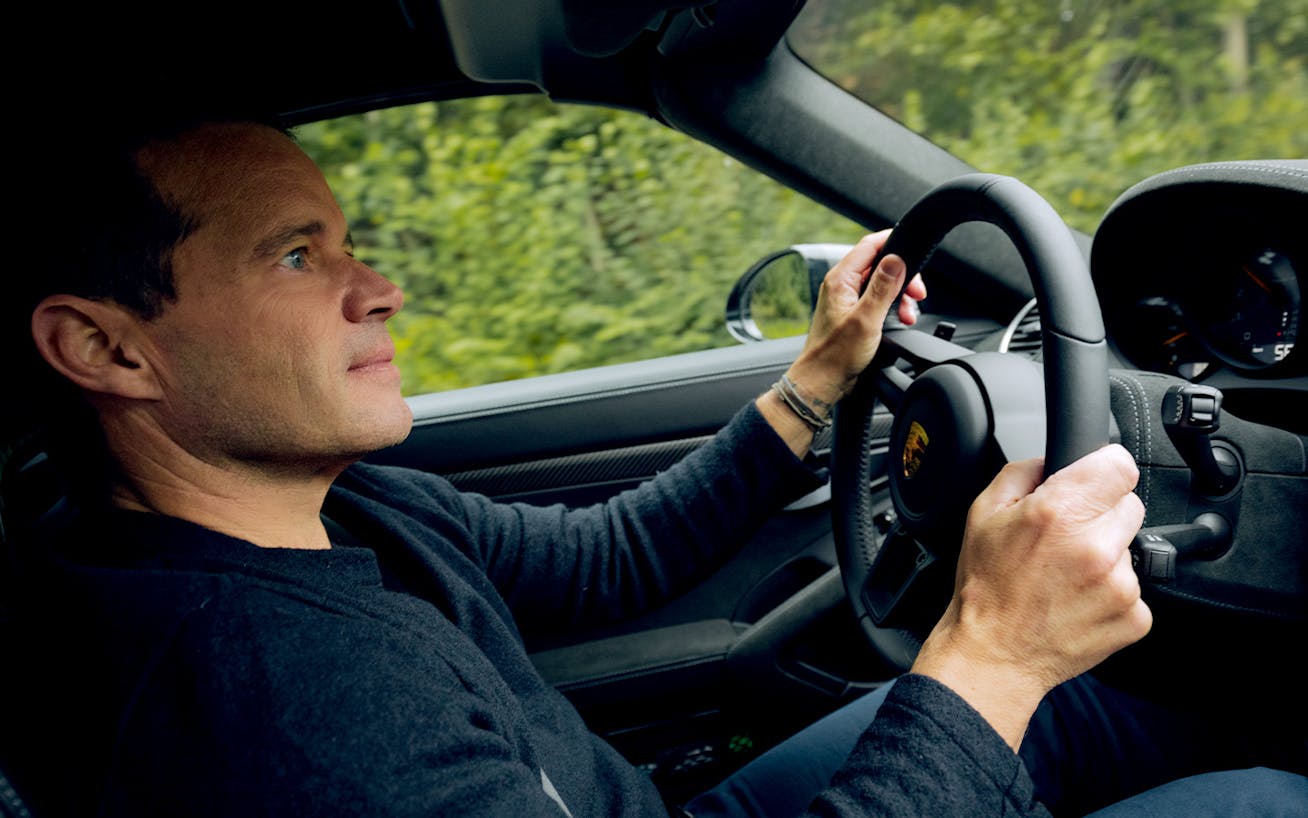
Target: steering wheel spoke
[(918, 349), (905, 578), (903, 354), (890, 383)]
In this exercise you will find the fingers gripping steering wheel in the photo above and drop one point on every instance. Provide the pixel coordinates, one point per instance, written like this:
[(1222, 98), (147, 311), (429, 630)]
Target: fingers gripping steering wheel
[(958, 415)]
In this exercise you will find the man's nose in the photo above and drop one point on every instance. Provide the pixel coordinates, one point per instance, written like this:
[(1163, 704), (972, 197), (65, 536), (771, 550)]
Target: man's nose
[(371, 294)]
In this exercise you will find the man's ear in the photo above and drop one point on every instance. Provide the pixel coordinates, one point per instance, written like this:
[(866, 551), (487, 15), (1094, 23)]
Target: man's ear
[(96, 345)]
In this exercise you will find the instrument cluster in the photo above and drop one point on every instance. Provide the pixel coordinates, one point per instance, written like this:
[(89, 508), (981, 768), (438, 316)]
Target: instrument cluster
[(1202, 270)]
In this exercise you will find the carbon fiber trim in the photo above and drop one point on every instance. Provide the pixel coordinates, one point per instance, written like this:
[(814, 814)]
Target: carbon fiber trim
[(625, 465), (588, 469)]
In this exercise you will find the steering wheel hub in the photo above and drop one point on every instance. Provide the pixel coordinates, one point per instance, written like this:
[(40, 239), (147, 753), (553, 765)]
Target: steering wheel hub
[(939, 454)]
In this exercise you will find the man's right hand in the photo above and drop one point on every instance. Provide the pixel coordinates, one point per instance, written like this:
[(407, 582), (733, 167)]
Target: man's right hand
[(1045, 589)]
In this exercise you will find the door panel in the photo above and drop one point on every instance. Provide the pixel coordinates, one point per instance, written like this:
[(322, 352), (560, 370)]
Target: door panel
[(595, 410)]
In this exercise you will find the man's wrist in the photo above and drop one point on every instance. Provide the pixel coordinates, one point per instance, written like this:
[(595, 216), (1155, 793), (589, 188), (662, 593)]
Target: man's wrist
[(811, 410), (1005, 696), (795, 433), (813, 375)]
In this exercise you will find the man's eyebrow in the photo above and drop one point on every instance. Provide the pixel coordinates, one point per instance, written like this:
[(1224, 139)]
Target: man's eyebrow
[(278, 239)]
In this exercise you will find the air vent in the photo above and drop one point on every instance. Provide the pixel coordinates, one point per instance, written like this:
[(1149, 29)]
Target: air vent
[(1023, 334)]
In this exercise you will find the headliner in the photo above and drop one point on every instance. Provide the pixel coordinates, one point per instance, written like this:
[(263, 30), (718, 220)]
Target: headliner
[(308, 60)]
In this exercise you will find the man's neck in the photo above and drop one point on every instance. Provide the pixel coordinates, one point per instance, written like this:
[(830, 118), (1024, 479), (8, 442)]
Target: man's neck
[(273, 519), (270, 506)]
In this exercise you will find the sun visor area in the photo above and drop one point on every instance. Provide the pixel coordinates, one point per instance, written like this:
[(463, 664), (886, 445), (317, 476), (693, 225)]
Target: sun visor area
[(510, 41), (600, 28), (502, 42)]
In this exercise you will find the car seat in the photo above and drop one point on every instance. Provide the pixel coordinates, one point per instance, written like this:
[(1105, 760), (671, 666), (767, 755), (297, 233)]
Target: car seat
[(34, 504)]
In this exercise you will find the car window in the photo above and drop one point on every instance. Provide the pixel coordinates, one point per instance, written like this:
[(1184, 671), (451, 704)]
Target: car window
[(532, 237), (1078, 98)]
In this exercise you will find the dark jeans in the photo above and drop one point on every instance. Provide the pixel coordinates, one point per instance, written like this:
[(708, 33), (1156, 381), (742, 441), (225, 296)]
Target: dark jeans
[(1090, 747)]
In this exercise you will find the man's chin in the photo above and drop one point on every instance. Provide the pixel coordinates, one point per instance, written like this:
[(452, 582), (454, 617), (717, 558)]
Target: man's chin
[(365, 432), (347, 454), (390, 430), (401, 434)]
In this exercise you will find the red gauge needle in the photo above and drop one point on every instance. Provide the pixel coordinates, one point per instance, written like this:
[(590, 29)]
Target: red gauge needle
[(1178, 336), (1256, 279)]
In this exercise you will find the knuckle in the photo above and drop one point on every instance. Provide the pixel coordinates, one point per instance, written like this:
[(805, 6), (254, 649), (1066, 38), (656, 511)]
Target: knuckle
[(1097, 562), (1042, 512), (1135, 510), (1124, 593), (1121, 465), (1142, 617)]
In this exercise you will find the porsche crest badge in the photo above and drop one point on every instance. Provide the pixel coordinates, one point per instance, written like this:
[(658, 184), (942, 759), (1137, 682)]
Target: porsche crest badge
[(914, 448)]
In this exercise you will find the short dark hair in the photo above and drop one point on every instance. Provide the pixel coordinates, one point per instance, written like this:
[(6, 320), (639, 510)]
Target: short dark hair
[(94, 225), (125, 236), (123, 229)]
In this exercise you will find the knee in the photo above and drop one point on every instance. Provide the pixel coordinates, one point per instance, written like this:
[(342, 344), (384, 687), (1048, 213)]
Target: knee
[(1256, 792)]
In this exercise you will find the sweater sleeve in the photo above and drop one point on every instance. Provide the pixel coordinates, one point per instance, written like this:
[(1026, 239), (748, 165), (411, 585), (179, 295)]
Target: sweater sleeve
[(559, 567), (928, 752)]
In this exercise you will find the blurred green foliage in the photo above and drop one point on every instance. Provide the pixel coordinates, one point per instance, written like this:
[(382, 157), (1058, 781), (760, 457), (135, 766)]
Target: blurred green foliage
[(534, 238), (1078, 98)]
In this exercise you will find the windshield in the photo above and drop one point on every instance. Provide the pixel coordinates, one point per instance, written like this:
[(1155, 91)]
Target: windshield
[(1078, 98)]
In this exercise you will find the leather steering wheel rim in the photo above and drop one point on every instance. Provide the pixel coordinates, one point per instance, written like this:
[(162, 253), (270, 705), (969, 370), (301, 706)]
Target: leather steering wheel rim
[(1075, 384)]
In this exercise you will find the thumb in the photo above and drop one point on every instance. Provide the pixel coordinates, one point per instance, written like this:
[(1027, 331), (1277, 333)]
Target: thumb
[(1109, 470), (883, 287), (1014, 481)]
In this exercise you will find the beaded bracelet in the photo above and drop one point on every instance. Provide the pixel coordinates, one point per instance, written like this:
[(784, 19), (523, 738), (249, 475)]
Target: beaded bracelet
[(790, 396)]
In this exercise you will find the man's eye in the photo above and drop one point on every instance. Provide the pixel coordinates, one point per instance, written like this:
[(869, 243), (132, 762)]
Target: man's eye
[(297, 259)]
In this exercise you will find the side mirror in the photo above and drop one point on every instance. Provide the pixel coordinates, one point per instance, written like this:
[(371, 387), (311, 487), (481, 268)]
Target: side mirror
[(775, 297)]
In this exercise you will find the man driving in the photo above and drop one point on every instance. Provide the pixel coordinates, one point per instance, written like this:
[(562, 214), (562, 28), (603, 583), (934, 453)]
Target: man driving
[(245, 619)]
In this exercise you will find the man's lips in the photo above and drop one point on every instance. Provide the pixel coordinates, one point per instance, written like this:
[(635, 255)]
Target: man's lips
[(380, 359)]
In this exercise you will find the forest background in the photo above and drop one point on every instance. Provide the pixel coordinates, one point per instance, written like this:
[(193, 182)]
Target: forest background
[(533, 238)]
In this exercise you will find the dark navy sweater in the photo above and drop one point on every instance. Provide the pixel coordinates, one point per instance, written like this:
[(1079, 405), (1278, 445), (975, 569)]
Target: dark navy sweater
[(189, 673)]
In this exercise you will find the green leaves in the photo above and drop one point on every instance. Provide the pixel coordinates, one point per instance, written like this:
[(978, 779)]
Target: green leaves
[(1079, 98), (533, 238)]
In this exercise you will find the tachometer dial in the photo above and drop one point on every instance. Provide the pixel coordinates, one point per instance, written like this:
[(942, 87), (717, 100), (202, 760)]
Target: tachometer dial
[(1253, 321)]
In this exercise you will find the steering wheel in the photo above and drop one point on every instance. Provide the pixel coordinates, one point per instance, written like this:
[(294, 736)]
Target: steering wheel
[(959, 415)]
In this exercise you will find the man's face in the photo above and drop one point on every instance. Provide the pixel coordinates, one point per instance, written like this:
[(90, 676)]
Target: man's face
[(276, 351)]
